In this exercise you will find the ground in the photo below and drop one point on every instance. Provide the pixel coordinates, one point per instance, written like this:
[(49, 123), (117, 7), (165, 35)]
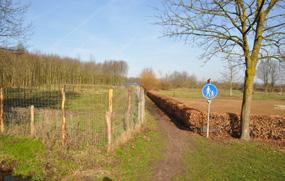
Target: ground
[(261, 107), (272, 103), (177, 140)]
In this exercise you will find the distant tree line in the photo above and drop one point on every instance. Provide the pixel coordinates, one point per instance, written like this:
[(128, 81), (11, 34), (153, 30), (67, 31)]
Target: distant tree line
[(21, 68), (178, 79), (175, 79)]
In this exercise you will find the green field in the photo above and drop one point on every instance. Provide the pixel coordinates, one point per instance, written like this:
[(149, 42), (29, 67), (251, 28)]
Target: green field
[(223, 93), (232, 160), (85, 110)]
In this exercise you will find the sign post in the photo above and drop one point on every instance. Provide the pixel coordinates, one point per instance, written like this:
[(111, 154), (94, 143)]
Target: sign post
[(209, 91)]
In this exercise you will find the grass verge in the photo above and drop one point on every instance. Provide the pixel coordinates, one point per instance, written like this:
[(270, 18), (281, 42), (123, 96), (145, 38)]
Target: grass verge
[(135, 159), (232, 160), (22, 155)]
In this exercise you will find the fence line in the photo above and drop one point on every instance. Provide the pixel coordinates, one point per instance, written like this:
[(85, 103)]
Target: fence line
[(73, 115)]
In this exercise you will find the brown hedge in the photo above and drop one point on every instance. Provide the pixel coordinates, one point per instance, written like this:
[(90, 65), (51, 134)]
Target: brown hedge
[(221, 124)]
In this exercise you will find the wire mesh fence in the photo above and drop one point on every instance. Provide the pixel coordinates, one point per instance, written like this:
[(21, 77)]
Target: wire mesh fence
[(75, 114)]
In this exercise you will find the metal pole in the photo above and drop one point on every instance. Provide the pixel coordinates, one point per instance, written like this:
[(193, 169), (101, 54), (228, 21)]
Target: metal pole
[(208, 122)]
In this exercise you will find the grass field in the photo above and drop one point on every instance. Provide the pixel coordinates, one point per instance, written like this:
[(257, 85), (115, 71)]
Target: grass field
[(85, 113), (271, 103), (232, 160), (223, 93)]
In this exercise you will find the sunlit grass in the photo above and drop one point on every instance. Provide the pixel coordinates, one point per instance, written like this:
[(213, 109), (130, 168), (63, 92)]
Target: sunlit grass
[(232, 160), (223, 93)]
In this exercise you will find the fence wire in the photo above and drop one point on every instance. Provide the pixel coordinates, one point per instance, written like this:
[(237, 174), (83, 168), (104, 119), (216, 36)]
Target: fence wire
[(85, 111)]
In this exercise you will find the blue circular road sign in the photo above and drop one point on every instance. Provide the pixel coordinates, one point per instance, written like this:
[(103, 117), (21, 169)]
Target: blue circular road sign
[(209, 91)]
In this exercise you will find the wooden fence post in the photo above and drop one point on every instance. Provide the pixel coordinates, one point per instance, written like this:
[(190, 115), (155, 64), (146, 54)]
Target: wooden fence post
[(1, 111), (63, 121), (111, 100), (127, 123), (139, 104), (142, 105), (33, 128), (109, 120)]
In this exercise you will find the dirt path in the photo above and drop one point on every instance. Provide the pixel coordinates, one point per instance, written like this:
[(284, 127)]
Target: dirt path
[(177, 141), (263, 107)]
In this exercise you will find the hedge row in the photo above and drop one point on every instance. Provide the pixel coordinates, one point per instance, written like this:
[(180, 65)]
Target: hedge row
[(221, 124)]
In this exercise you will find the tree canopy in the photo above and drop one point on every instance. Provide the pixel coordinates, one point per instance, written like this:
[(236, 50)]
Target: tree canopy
[(13, 28)]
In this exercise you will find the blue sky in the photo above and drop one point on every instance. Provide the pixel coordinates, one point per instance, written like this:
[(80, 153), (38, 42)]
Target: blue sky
[(113, 29)]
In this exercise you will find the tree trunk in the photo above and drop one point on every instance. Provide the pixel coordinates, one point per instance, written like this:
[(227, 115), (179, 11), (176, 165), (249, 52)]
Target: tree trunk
[(266, 88), (231, 89), (246, 103)]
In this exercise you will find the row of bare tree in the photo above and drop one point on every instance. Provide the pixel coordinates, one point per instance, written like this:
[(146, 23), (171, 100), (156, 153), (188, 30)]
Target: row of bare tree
[(270, 71), (20, 68), (175, 79)]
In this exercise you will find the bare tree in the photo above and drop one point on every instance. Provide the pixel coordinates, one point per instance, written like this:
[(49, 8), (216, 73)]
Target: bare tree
[(230, 75), (148, 79), (268, 72), (12, 26), (263, 72), (274, 73), (281, 76), (241, 28)]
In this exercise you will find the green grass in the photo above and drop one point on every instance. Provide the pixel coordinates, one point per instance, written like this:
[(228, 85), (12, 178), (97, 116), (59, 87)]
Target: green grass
[(135, 159), (232, 160), (24, 154), (223, 93), (29, 157)]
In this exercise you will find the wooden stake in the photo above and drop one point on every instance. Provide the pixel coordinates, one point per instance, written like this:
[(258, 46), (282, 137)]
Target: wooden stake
[(142, 105), (109, 130), (127, 123), (1, 111), (63, 121), (139, 104), (109, 120), (110, 100), (33, 129)]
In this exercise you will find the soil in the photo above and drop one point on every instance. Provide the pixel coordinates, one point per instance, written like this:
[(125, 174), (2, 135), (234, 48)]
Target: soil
[(261, 107), (177, 140)]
